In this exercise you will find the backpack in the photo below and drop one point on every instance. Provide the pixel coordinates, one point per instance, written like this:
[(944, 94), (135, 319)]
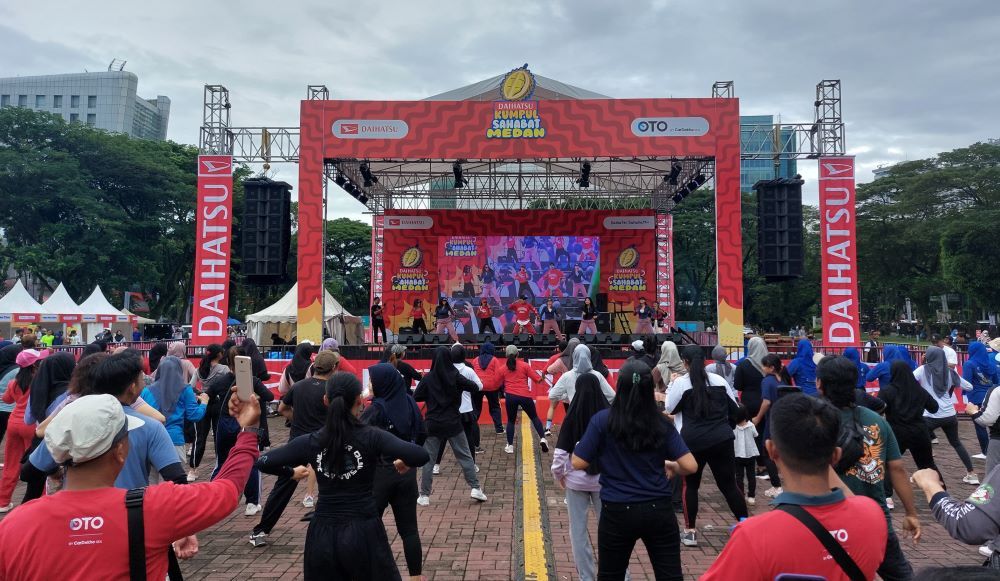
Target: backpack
[(851, 441)]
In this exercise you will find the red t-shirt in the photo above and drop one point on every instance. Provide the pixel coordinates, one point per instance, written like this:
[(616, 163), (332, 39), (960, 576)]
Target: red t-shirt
[(521, 276), (491, 375), (587, 242), (554, 276), (15, 396), (347, 366), (516, 382), (417, 313), (467, 277), (559, 242), (522, 310), (776, 542), (485, 312), (83, 534)]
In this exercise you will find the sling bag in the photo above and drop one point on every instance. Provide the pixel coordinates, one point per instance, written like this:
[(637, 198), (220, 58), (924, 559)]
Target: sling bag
[(836, 551), (137, 541)]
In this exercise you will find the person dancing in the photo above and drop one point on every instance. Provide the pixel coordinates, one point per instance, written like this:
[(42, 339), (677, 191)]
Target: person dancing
[(588, 249), (444, 319), (378, 322), (520, 395), (489, 279), (579, 278), (417, 315), (524, 312), (485, 315), (521, 278), (644, 324), (550, 319), (560, 247), (551, 282), (588, 314), (487, 368), (511, 244), (530, 246), (468, 289)]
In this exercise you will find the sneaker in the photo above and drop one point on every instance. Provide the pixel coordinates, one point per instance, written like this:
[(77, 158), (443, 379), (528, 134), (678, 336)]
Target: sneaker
[(479, 450), (979, 456), (689, 539), (436, 470), (309, 501), (251, 509), (509, 448), (890, 504), (934, 440), (477, 494), (986, 551), (501, 430), (751, 501), (192, 475), (971, 479), (773, 492), (423, 500), (6, 509), (548, 432), (763, 477), (258, 539), (477, 468), (544, 444)]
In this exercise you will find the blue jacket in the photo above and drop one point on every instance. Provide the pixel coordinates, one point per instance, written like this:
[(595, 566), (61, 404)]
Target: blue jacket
[(981, 371), (882, 371), (186, 408), (802, 369)]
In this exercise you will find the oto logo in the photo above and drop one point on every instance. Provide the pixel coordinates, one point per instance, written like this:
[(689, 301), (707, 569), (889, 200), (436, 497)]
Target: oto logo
[(657, 125), (86, 523)]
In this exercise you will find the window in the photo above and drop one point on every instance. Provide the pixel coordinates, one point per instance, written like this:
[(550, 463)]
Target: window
[(39, 100), (92, 102), (22, 100), (57, 101), (4, 100), (74, 117), (74, 101), (91, 119)]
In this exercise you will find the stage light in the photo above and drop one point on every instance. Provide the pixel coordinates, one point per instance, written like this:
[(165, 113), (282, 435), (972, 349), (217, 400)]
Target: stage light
[(340, 179), (363, 199), (675, 172), (366, 173), (352, 189), (460, 181), (584, 181)]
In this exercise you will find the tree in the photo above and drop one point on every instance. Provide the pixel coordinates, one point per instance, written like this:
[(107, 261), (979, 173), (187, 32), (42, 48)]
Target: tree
[(348, 262)]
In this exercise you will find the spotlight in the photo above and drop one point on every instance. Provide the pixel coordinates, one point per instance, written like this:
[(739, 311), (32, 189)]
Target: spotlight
[(584, 181), (675, 171), (363, 199), (340, 179), (460, 181), (366, 173), (352, 189)]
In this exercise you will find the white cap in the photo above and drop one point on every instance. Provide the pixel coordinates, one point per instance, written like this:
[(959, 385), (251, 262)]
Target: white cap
[(87, 428), (637, 345)]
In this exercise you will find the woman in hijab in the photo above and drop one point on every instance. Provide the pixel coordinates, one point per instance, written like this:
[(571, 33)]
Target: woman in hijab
[(981, 371), (883, 372), (668, 368), (940, 382), (172, 396), (905, 402), (565, 389), (49, 386), (179, 350), (803, 368), (157, 352), (598, 362), (565, 361), (854, 356), (259, 367), (720, 364), (582, 487), (298, 367), (394, 410), (904, 353), (749, 374)]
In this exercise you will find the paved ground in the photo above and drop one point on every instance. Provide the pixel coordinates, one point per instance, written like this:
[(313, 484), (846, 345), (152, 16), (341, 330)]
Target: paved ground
[(463, 539)]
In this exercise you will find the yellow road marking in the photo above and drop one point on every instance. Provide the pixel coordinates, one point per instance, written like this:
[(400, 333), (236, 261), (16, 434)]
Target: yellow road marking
[(535, 563)]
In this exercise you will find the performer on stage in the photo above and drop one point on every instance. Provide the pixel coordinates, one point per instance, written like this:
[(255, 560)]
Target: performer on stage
[(485, 315), (530, 246), (522, 277), (443, 319), (578, 277), (550, 322), (662, 316), (512, 248), (560, 244), (644, 326), (551, 282), (378, 323), (417, 314), (468, 289), (489, 279), (524, 312), (587, 252), (588, 321)]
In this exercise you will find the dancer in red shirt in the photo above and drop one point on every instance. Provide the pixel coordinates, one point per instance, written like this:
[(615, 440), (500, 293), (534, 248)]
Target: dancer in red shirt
[(520, 393), (522, 277), (485, 315), (587, 249), (524, 312), (418, 314), (468, 289), (551, 282)]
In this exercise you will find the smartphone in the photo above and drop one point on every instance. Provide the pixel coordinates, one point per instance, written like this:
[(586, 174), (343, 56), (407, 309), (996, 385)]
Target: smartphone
[(244, 379)]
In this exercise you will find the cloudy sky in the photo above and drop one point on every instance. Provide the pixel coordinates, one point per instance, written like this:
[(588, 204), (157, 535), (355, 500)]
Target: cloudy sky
[(918, 76)]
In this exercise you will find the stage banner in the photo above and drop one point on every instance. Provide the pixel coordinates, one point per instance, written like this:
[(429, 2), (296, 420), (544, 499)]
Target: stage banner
[(213, 235), (838, 244)]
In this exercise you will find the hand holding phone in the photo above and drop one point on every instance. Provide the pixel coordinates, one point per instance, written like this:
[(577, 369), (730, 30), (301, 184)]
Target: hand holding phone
[(244, 379)]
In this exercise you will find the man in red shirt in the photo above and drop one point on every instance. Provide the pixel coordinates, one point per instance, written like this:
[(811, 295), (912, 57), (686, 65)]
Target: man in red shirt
[(803, 444), (81, 532), (551, 282), (524, 312), (587, 249), (522, 277)]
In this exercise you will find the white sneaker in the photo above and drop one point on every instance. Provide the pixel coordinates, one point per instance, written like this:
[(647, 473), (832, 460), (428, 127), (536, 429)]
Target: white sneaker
[(436, 470), (192, 475), (309, 501), (890, 504), (985, 551), (544, 444), (424, 500), (751, 501), (773, 491), (6, 509), (251, 509), (509, 448), (979, 456), (477, 494), (763, 477), (258, 539), (934, 440), (971, 479), (477, 468), (689, 539)]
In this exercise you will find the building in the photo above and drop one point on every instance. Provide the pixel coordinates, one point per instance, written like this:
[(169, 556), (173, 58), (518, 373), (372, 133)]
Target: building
[(106, 100), (754, 170), (883, 170)]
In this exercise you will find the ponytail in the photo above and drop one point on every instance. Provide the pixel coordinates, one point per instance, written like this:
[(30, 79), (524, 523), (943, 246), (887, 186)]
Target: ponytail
[(512, 362), (205, 366), (695, 359), (342, 390)]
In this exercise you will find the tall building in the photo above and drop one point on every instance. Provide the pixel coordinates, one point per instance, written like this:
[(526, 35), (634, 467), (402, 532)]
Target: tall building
[(105, 100), (754, 170)]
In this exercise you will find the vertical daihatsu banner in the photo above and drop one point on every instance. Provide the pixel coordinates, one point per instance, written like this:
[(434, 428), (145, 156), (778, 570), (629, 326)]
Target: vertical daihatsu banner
[(838, 244), (214, 235)]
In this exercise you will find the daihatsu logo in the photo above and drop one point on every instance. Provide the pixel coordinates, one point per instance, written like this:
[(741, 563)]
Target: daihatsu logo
[(370, 128)]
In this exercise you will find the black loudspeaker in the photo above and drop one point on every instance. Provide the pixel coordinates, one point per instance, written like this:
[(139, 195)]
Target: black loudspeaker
[(409, 338), (588, 338), (779, 229), (508, 338), (603, 319), (267, 230)]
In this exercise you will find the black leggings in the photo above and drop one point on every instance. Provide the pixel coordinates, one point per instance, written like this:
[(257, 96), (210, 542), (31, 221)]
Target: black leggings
[(400, 492), (772, 468), (949, 426), (721, 458), (746, 467), (484, 323), (200, 431), (918, 442), (493, 400), (419, 326), (512, 402), (622, 524)]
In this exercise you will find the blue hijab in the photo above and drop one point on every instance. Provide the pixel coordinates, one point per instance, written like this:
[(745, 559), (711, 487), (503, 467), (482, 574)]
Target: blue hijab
[(399, 411), (803, 369), (883, 371), (486, 355), (904, 355), (981, 371), (169, 385), (854, 356)]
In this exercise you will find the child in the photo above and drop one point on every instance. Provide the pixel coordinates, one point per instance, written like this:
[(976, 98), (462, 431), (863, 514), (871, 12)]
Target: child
[(746, 453)]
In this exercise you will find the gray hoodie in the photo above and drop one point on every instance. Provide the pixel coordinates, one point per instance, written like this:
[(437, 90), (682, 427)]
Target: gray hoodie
[(973, 521)]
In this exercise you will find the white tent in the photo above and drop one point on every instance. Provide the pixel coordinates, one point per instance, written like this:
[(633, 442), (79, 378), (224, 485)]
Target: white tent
[(61, 303), (341, 325), (17, 307), (138, 318), (98, 314)]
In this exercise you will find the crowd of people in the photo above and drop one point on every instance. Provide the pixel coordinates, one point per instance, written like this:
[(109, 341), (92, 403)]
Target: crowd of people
[(89, 437)]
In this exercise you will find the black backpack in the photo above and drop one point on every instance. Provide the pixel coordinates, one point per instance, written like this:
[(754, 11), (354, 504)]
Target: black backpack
[(851, 441)]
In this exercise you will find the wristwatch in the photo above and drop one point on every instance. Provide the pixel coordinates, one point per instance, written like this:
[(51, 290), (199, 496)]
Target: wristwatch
[(251, 430)]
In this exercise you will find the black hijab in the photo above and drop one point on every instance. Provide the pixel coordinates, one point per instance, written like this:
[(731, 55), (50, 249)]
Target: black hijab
[(597, 362), (50, 382), (156, 352), (8, 358), (91, 348), (258, 365), (300, 363), (443, 368), (390, 394), (588, 400)]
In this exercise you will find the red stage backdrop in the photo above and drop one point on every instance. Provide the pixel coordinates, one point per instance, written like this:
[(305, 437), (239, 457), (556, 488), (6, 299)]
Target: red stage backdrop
[(585, 128), (839, 250), (429, 254), (214, 237)]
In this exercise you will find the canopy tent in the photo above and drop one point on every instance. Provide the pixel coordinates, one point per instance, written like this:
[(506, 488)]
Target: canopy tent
[(18, 307), (99, 314), (60, 303), (341, 325), (138, 318)]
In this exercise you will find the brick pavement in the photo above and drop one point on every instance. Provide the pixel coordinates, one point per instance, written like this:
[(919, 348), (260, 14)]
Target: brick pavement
[(466, 540)]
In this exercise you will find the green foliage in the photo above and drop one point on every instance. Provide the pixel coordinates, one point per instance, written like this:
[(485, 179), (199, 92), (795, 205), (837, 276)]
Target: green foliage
[(348, 263)]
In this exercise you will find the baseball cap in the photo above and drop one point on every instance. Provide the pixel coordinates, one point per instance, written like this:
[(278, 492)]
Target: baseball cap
[(325, 362), (511, 350), (87, 428), (29, 357)]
